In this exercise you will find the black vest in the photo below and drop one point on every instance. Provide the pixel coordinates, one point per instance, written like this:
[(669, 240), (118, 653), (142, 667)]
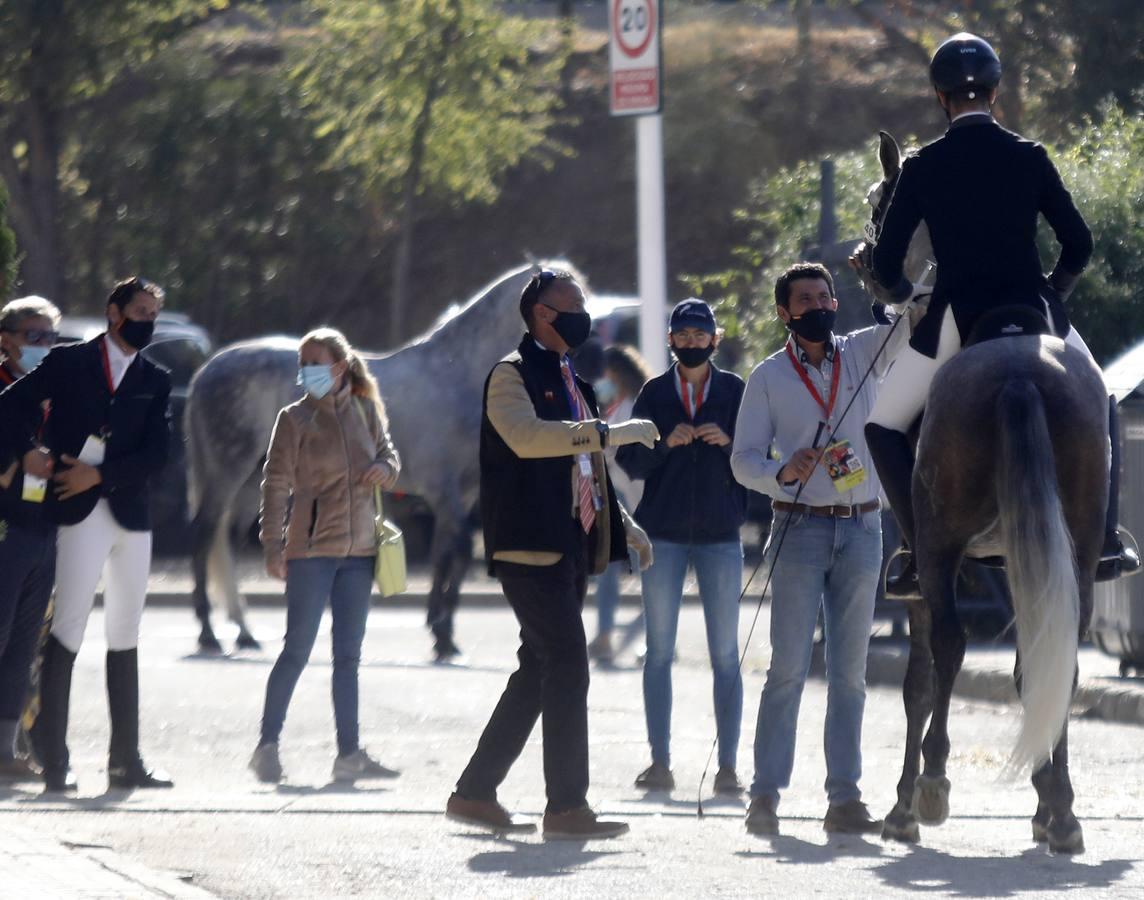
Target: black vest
[(526, 504)]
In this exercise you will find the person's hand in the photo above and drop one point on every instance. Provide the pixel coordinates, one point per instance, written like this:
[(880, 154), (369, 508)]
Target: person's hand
[(76, 478), (634, 431), (379, 475), (639, 541), (682, 435), (276, 565), (38, 462), (712, 434), (799, 467)]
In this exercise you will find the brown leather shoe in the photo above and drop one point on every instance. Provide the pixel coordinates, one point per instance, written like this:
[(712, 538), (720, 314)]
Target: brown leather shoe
[(487, 814), (851, 817), (580, 825), (656, 777), (761, 816), (727, 782)]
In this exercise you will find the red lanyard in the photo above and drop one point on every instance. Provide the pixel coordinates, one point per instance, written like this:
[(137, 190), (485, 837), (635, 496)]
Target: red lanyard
[(698, 395), (827, 408), (107, 366)]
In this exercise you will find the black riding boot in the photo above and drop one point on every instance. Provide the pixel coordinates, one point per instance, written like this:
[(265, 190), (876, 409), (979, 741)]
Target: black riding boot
[(894, 461), (49, 733), (125, 768), (1116, 558)]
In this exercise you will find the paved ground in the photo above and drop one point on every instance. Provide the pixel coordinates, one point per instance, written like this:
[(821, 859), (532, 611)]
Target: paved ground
[(223, 833)]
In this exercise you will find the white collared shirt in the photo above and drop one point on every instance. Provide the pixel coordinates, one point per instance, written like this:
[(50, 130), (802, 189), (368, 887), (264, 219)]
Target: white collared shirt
[(117, 360)]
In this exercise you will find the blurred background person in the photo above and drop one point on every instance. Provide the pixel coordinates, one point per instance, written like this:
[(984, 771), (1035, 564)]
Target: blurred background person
[(28, 329), (625, 373), (328, 453)]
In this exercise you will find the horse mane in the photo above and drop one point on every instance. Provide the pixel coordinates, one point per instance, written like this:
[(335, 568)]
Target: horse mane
[(462, 316)]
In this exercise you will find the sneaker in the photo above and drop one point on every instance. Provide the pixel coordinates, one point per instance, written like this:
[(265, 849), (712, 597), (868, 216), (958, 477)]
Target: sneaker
[(656, 777), (727, 782), (360, 764), (487, 814), (580, 824), (851, 817), (601, 648), (266, 765), (18, 768), (761, 816)]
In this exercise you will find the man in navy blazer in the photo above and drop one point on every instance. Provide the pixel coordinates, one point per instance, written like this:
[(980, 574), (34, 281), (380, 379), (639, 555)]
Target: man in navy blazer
[(106, 434)]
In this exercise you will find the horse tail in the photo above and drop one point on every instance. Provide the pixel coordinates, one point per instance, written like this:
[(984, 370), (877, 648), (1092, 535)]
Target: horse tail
[(1041, 566)]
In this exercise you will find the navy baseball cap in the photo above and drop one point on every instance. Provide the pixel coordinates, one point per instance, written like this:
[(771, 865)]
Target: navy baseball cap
[(692, 313)]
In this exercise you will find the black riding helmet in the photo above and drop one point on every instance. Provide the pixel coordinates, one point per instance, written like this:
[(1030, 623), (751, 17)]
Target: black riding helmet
[(965, 64)]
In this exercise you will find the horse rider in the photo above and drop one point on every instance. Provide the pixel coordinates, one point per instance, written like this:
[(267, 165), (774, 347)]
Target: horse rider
[(979, 188)]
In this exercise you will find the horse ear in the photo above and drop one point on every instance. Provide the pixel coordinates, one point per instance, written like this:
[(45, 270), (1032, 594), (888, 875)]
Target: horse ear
[(889, 155)]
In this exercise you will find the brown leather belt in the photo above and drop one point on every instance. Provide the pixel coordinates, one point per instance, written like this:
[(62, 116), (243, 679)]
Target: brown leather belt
[(827, 512)]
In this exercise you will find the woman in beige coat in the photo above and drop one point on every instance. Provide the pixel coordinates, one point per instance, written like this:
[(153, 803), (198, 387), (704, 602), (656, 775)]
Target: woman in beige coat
[(328, 453)]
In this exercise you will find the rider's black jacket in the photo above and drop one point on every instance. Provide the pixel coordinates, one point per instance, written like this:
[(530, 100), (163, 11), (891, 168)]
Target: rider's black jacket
[(979, 188)]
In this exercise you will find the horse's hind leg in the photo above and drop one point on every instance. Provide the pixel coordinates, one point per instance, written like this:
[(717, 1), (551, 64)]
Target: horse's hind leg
[(947, 643), (917, 693), (203, 529), (1054, 820)]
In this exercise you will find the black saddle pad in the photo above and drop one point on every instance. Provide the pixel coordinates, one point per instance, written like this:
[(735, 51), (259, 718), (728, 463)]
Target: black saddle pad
[(1008, 321)]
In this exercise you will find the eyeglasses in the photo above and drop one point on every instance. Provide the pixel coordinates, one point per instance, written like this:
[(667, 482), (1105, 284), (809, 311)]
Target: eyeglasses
[(36, 335), (692, 337)]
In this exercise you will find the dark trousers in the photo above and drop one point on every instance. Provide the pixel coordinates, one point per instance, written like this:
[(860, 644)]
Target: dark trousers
[(27, 572), (551, 683)]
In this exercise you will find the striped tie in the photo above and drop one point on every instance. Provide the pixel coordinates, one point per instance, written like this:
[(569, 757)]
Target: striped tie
[(587, 506)]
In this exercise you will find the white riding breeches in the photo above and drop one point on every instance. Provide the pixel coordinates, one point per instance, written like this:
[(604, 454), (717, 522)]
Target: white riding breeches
[(903, 391), (100, 546)]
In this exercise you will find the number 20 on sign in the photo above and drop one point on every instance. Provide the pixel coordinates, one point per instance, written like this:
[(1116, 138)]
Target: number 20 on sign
[(635, 59)]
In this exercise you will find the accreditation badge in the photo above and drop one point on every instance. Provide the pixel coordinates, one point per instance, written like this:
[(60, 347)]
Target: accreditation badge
[(844, 466), (35, 489)]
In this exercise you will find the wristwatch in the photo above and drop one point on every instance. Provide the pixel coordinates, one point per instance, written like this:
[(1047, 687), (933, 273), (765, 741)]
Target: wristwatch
[(602, 428)]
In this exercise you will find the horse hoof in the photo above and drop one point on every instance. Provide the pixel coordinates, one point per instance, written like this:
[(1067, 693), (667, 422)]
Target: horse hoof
[(901, 828), (931, 799), (208, 643), (247, 641), (1040, 832), (1067, 839)]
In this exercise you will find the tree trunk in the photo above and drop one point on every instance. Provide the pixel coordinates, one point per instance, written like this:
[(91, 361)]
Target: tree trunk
[(410, 185), (804, 49), (564, 9)]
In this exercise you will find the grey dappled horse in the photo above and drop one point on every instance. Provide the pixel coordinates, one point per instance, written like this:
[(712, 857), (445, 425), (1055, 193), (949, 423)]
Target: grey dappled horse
[(432, 389), (1011, 462)]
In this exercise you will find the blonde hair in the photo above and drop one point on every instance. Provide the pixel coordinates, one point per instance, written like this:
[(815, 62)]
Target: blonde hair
[(362, 383)]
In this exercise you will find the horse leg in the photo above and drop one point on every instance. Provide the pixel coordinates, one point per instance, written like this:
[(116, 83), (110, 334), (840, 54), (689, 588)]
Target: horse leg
[(931, 790), (452, 551), (1065, 834), (203, 531), (917, 695), (225, 576)]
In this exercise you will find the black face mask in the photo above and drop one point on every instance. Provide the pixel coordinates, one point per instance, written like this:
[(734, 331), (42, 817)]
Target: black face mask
[(573, 327), (136, 334), (813, 325), (693, 357)]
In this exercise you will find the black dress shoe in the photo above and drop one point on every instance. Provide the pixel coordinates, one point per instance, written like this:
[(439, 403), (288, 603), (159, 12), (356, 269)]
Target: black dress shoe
[(59, 781), (137, 775)]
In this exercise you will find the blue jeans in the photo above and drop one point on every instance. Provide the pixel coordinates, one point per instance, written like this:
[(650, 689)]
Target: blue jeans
[(310, 583), (719, 569), (832, 564), (608, 590)]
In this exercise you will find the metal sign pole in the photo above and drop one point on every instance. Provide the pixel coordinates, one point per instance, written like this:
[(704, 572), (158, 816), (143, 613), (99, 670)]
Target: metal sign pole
[(652, 240)]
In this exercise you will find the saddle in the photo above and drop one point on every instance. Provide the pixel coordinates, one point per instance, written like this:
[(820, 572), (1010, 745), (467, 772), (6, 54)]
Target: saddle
[(1014, 320)]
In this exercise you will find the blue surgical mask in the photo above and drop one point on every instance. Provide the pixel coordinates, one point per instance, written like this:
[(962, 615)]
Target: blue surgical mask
[(31, 356), (316, 380)]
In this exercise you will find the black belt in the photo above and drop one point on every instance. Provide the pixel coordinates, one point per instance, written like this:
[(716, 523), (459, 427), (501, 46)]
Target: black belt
[(829, 512)]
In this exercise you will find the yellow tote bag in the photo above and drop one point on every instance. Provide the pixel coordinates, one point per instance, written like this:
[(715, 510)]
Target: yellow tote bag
[(389, 567)]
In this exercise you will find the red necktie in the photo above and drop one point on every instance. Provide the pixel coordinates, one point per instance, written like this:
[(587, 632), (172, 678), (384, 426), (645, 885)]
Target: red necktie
[(587, 506)]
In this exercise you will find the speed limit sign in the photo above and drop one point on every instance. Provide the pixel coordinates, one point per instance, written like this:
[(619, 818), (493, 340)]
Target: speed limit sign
[(635, 56)]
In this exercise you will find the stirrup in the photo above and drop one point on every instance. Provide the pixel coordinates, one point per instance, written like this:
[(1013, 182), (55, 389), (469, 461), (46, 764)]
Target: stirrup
[(903, 586), (1121, 560)]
